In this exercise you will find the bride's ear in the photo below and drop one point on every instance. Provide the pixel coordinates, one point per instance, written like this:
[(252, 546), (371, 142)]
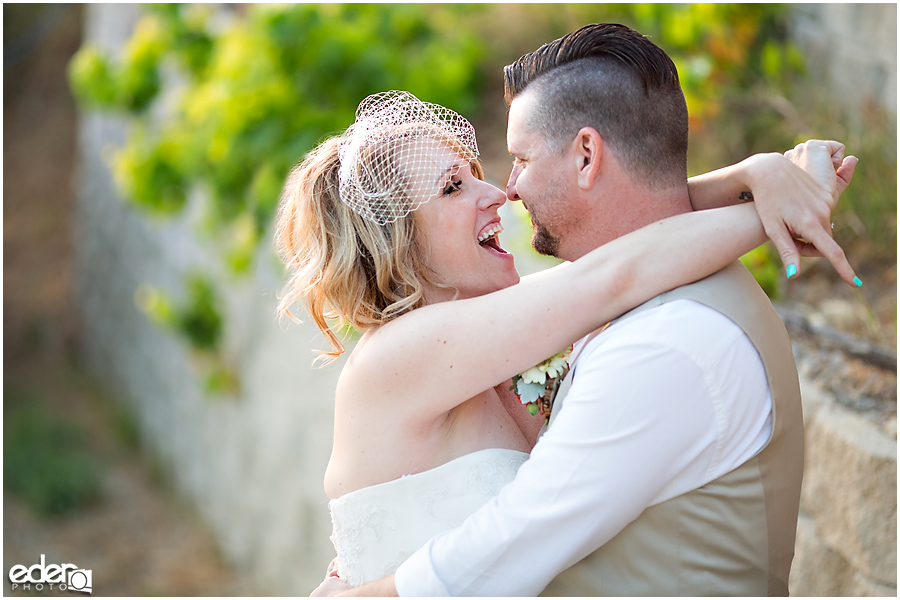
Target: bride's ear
[(588, 152)]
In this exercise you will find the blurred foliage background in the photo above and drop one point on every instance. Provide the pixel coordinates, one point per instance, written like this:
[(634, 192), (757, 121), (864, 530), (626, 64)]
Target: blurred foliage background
[(225, 99)]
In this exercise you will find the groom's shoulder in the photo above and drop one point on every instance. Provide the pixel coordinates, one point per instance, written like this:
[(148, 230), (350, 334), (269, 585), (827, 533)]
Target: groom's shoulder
[(681, 313), (680, 323)]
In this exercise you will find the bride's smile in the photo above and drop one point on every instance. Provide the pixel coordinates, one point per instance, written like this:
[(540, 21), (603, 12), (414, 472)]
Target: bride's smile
[(460, 237)]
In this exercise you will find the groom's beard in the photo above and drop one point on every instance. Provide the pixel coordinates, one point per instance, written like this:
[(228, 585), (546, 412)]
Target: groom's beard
[(548, 210), (542, 241)]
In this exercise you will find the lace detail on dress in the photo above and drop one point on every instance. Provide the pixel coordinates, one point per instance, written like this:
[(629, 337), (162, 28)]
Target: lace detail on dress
[(378, 527), (369, 524)]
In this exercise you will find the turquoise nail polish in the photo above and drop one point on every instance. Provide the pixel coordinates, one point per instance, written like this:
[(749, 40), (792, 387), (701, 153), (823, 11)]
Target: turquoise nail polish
[(857, 281), (791, 271)]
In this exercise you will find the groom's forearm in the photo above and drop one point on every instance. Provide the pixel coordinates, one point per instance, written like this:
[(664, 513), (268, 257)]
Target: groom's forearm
[(383, 587)]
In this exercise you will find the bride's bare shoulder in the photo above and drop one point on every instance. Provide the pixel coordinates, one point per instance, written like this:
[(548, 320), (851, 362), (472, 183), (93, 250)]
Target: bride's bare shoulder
[(380, 362), (376, 380), (365, 363), (405, 368)]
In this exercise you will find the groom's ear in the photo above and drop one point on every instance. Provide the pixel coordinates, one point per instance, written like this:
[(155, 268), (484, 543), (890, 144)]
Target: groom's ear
[(588, 153)]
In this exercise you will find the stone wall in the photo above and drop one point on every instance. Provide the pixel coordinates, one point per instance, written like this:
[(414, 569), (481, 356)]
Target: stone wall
[(253, 464), (847, 534), (852, 48)]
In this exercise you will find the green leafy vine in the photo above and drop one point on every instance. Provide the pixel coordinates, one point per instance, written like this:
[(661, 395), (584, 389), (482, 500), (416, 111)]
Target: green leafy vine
[(256, 88)]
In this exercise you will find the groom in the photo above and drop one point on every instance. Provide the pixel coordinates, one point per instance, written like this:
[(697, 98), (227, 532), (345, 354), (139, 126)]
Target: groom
[(673, 467)]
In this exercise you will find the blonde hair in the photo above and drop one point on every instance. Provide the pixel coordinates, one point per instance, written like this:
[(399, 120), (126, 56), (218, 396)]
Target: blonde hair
[(343, 266)]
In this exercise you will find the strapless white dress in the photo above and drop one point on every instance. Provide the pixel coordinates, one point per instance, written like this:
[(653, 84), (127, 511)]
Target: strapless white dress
[(378, 527)]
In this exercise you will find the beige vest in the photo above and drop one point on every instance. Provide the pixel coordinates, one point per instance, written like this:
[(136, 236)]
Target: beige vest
[(735, 535)]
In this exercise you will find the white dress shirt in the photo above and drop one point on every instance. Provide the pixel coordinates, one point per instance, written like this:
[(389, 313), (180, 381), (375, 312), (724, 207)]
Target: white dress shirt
[(660, 404)]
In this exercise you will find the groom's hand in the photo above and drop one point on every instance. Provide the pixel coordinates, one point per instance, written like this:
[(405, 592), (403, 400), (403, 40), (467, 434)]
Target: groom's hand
[(331, 586), (810, 156)]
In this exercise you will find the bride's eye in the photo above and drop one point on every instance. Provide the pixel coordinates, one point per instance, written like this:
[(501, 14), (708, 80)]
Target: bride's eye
[(453, 186)]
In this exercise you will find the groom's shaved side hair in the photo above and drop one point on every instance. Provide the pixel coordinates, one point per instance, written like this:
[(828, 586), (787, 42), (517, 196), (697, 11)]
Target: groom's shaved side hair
[(615, 80)]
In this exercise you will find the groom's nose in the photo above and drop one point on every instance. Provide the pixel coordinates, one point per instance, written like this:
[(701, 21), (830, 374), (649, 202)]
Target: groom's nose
[(511, 185)]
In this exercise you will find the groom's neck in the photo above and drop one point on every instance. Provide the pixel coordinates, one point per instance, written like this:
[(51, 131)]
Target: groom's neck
[(627, 211)]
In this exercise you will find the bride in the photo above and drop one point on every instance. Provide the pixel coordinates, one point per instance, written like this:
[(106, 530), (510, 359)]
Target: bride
[(391, 229)]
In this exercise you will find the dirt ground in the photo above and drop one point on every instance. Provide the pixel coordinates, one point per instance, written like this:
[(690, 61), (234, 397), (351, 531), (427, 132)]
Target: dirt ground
[(140, 537)]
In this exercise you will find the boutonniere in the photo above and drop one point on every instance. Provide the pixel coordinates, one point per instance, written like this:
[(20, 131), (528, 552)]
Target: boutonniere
[(535, 387)]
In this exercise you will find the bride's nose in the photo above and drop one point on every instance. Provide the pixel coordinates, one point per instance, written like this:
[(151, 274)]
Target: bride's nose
[(491, 197)]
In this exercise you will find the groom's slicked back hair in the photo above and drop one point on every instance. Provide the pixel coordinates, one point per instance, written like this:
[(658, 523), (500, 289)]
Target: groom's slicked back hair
[(614, 79)]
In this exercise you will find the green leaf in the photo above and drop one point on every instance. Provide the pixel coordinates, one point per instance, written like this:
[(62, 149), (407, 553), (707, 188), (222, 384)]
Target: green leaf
[(529, 392), (771, 60), (765, 264), (91, 79), (200, 319)]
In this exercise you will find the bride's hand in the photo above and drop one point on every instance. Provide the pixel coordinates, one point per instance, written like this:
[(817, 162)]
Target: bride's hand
[(802, 226)]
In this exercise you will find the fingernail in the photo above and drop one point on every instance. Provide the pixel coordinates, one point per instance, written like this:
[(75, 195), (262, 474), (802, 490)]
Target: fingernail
[(791, 271), (857, 281), (857, 160)]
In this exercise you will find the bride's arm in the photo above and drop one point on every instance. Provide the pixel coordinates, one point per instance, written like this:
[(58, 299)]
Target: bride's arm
[(776, 172), (792, 202), (445, 353)]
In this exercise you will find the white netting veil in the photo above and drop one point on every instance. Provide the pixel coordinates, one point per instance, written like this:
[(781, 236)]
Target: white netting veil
[(400, 153)]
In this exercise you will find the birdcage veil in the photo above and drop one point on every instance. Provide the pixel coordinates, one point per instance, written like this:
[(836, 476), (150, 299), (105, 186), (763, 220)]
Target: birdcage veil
[(388, 156)]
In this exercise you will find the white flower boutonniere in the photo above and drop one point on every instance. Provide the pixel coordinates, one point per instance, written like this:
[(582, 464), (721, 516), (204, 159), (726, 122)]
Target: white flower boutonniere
[(535, 387)]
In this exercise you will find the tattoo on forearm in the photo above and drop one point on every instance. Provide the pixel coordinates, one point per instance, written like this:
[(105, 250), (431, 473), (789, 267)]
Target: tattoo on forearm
[(746, 196)]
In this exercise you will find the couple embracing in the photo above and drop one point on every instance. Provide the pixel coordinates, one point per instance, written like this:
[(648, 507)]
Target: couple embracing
[(672, 463)]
